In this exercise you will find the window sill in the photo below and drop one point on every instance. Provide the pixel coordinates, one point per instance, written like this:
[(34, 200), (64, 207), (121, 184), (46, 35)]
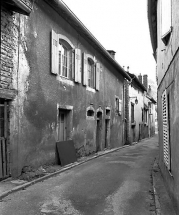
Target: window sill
[(133, 124), (90, 89), (90, 117), (65, 80)]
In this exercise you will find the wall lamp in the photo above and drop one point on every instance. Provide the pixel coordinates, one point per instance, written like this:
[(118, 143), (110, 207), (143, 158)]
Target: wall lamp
[(134, 97)]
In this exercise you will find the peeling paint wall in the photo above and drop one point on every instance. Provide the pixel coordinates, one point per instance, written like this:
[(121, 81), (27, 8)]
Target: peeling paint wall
[(34, 114)]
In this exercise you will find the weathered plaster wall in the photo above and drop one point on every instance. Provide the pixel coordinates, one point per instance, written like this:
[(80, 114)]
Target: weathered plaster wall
[(171, 83), (165, 54), (40, 93), (168, 75)]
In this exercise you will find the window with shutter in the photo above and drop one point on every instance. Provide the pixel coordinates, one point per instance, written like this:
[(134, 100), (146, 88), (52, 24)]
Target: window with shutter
[(166, 150), (62, 56), (91, 73)]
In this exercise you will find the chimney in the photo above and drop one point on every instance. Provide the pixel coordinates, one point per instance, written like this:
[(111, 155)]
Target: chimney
[(112, 53), (140, 78), (145, 81)]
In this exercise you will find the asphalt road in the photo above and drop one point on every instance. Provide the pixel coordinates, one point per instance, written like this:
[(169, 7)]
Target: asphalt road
[(118, 183)]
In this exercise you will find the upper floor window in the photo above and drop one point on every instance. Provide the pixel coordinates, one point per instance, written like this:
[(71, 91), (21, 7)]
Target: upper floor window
[(91, 73), (166, 20), (118, 105), (65, 59)]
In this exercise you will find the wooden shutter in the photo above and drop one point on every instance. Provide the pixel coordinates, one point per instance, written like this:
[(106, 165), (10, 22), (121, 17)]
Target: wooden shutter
[(97, 75), (54, 52), (78, 65), (165, 130), (85, 69), (73, 64), (120, 106)]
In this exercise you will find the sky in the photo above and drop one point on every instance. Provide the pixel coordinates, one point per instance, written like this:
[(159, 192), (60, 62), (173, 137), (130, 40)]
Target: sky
[(122, 26)]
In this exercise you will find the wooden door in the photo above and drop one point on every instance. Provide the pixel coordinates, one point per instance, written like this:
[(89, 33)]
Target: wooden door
[(62, 126), (107, 133), (98, 131), (4, 141)]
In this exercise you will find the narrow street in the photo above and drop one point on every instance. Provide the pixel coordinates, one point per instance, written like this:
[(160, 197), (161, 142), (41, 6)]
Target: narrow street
[(117, 183)]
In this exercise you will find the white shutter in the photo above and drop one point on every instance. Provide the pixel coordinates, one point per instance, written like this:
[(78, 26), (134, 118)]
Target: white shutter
[(85, 69), (78, 65), (120, 106), (54, 52), (97, 75), (165, 130)]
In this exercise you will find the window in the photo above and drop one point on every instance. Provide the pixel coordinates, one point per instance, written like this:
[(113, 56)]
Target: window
[(91, 72), (90, 112), (132, 112), (165, 20), (145, 116), (118, 105), (65, 59)]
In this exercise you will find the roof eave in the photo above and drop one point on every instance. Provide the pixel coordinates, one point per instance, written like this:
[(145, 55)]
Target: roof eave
[(152, 20)]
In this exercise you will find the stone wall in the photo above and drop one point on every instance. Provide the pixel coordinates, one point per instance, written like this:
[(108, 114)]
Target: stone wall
[(9, 47)]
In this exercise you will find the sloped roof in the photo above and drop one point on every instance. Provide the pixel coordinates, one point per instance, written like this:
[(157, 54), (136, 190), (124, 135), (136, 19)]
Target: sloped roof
[(134, 77)]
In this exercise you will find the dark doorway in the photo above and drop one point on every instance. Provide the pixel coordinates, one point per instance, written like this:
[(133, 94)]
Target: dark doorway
[(98, 131), (62, 125), (4, 140), (107, 133)]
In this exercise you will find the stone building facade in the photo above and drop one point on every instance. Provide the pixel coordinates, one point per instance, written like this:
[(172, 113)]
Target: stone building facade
[(61, 84)]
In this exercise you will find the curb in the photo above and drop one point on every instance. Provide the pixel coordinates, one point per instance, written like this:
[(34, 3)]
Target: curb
[(67, 167)]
